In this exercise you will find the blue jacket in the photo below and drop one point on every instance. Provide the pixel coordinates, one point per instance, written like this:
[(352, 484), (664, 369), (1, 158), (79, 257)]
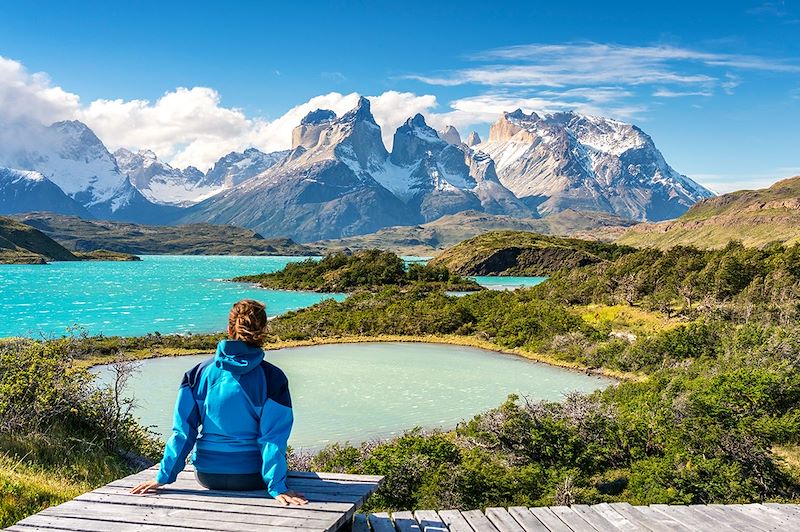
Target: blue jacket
[(235, 410)]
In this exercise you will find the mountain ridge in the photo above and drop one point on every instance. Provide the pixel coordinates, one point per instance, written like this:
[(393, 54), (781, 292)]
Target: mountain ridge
[(753, 217)]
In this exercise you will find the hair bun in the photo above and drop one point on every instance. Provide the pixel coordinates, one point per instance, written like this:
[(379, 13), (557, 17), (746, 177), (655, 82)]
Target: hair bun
[(248, 322)]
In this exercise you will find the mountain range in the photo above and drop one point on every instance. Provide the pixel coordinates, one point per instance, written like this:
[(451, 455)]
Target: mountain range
[(339, 180)]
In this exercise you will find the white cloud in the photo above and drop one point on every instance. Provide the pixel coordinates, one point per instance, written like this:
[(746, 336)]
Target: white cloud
[(185, 126), (25, 96), (667, 93), (564, 65)]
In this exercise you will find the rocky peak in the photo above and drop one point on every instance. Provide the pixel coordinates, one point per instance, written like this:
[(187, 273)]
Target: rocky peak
[(473, 139), (311, 127), (450, 135), (361, 112), (318, 116), (415, 140)]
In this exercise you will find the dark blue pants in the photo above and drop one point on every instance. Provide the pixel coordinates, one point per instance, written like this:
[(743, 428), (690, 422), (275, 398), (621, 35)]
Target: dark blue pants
[(231, 481)]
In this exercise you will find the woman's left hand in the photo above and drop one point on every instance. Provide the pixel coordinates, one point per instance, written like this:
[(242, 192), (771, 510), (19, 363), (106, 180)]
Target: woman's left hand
[(149, 486)]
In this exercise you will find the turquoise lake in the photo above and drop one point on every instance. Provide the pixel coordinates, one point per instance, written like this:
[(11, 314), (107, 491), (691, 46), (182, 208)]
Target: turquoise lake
[(164, 293), (358, 392)]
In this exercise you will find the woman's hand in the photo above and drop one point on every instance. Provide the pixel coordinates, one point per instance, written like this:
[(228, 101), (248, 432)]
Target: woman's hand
[(146, 487), (291, 497)]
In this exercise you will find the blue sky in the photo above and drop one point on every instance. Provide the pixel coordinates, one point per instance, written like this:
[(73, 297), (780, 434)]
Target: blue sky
[(717, 85)]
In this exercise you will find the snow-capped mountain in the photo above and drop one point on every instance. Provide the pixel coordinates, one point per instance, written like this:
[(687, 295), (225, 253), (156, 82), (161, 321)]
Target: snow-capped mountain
[(22, 191), (340, 180), (322, 189), (437, 177), (161, 183), (71, 156), (237, 167), (567, 160)]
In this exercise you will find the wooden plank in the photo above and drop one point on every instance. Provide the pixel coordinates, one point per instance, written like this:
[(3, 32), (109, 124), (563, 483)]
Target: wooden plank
[(454, 521), (429, 521), (478, 521), (635, 515), (144, 521), (502, 520), (404, 522), (596, 520), (686, 517), (381, 522), (360, 523), (526, 519), (312, 486), (731, 519), (787, 517), (572, 519), (257, 500), (790, 510), (211, 519), (38, 522), (760, 514), (619, 521), (658, 521), (550, 519), (194, 504)]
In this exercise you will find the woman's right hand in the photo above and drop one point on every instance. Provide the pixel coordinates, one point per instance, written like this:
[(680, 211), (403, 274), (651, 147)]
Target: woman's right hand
[(291, 497)]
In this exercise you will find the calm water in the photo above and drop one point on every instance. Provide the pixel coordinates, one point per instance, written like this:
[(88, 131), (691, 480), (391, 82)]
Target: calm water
[(169, 294), (508, 283), (165, 293), (355, 392)]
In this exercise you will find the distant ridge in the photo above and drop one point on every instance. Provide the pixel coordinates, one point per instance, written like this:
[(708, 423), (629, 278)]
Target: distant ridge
[(754, 217), (22, 244)]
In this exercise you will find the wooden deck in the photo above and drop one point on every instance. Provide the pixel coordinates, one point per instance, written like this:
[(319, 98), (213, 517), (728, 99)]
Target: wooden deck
[(334, 499), (612, 517), (187, 506)]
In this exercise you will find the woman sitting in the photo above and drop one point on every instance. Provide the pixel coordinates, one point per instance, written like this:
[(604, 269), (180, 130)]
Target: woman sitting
[(235, 411)]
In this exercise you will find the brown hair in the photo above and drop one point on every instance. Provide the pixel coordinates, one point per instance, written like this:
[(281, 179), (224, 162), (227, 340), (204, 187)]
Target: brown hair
[(248, 322)]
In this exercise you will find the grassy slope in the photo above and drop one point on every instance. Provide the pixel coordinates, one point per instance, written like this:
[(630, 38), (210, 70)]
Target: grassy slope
[(432, 237), (754, 217), (521, 253), (195, 239), (20, 243)]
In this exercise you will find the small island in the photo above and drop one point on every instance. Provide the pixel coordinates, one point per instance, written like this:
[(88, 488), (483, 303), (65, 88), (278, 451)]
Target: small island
[(369, 270), (106, 255)]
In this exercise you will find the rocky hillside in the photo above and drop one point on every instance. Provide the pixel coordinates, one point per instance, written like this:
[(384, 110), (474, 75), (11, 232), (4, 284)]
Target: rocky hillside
[(22, 244), (567, 160), (754, 217), (78, 234), (523, 253), (433, 237)]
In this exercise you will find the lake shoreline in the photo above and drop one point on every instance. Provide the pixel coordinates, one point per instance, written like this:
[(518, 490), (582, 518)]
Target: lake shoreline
[(431, 339)]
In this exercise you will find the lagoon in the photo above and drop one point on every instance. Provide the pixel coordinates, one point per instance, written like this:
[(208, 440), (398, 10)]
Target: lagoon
[(357, 392)]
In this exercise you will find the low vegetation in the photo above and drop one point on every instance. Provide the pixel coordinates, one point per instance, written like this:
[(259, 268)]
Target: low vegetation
[(524, 253), (59, 434), (363, 270)]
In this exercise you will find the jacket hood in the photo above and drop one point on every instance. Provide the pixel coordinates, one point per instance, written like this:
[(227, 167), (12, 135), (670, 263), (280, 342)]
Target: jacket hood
[(237, 356)]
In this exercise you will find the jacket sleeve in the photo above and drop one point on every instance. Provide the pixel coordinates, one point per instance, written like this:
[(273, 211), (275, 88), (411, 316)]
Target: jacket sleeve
[(274, 428), (185, 421)]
